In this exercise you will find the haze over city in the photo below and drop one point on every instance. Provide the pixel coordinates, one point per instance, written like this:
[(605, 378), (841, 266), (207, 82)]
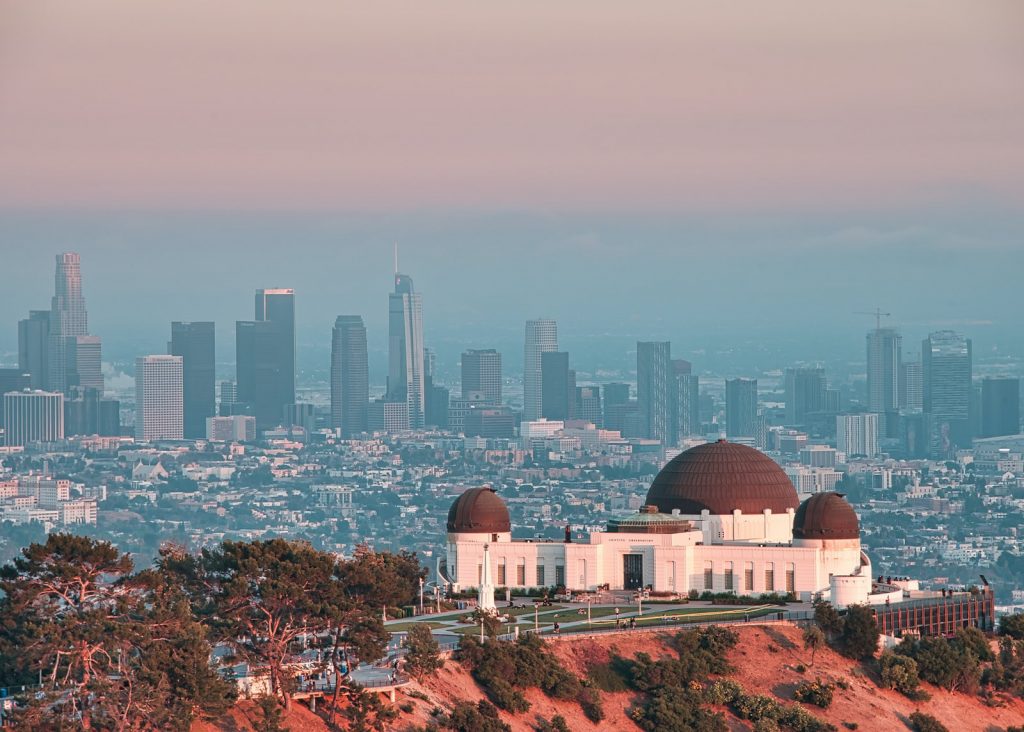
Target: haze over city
[(353, 354)]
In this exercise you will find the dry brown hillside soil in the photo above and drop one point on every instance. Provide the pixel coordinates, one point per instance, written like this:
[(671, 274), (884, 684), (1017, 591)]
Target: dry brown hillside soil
[(765, 659)]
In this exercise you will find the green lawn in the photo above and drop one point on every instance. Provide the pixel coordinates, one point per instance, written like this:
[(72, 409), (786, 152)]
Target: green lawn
[(404, 626)]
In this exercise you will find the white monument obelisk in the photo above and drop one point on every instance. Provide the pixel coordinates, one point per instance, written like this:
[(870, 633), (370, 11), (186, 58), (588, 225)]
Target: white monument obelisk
[(485, 598)]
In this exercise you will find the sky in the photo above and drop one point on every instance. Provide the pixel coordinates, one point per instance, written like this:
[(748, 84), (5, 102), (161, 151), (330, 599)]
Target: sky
[(696, 171)]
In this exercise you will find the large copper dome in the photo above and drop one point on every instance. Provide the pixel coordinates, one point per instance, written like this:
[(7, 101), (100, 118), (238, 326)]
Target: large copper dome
[(479, 511), (826, 516), (722, 477)]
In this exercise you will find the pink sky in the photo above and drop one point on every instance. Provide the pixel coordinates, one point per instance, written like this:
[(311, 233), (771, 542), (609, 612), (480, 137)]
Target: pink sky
[(565, 105)]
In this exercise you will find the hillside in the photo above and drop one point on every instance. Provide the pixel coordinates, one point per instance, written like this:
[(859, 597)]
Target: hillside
[(765, 659)]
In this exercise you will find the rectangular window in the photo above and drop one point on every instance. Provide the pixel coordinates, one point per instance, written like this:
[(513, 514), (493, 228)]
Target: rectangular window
[(521, 574), (769, 577), (560, 575), (540, 575), (790, 577), (748, 577), (479, 573), (709, 576), (501, 573), (728, 577)]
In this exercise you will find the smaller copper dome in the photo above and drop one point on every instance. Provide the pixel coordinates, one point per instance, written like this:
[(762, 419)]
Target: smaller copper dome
[(826, 516), (479, 511)]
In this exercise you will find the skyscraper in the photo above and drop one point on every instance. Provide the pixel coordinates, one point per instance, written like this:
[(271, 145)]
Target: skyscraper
[(84, 362), (481, 372), (34, 346), (1000, 406), (857, 434), (884, 355), (588, 405), (195, 343), (405, 350), (12, 380), (805, 393), (741, 407), (655, 389), (350, 376), (946, 366), (86, 412), (33, 416), (159, 400), (687, 403), (558, 387), (71, 361), (911, 385), (541, 337), (265, 357)]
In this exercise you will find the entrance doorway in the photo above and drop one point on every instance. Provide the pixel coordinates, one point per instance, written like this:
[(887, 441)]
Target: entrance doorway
[(632, 571)]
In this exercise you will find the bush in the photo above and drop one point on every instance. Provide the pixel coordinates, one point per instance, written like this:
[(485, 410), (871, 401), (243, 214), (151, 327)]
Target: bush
[(676, 708), (406, 707), (722, 691), (851, 725), (818, 692), (859, 636), (557, 724), (950, 664), (766, 725), (757, 706), (606, 677), (800, 668), (800, 720), (899, 673), (480, 717), (921, 722), (1012, 626), (591, 704)]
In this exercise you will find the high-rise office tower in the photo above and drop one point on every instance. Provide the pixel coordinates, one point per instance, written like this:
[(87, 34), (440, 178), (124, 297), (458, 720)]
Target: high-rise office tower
[(350, 376), (558, 390), (481, 372), (159, 398), (195, 343), (70, 360), (406, 382), (34, 346), (857, 434), (911, 385), (1000, 406), (33, 416), (805, 393), (228, 398), (84, 367), (265, 357), (687, 402), (588, 405), (741, 407), (655, 388), (541, 337), (884, 355), (86, 412), (946, 365), (616, 393), (13, 380)]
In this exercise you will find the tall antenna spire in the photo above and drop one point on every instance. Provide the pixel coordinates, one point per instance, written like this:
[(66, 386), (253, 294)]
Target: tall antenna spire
[(396, 257)]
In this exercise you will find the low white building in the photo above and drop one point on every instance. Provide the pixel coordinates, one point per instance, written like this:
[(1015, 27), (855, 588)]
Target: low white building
[(720, 517)]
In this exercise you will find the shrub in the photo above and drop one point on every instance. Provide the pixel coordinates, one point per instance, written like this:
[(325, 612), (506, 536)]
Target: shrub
[(722, 691), (859, 636), (1012, 626), (800, 668), (950, 664), (606, 677), (921, 722), (591, 704), (818, 693), (676, 709), (800, 720), (899, 673), (406, 707), (480, 717), (557, 724), (757, 706), (766, 725), (851, 725)]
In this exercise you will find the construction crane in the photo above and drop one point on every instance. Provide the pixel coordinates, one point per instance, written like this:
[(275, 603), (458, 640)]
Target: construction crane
[(877, 312)]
